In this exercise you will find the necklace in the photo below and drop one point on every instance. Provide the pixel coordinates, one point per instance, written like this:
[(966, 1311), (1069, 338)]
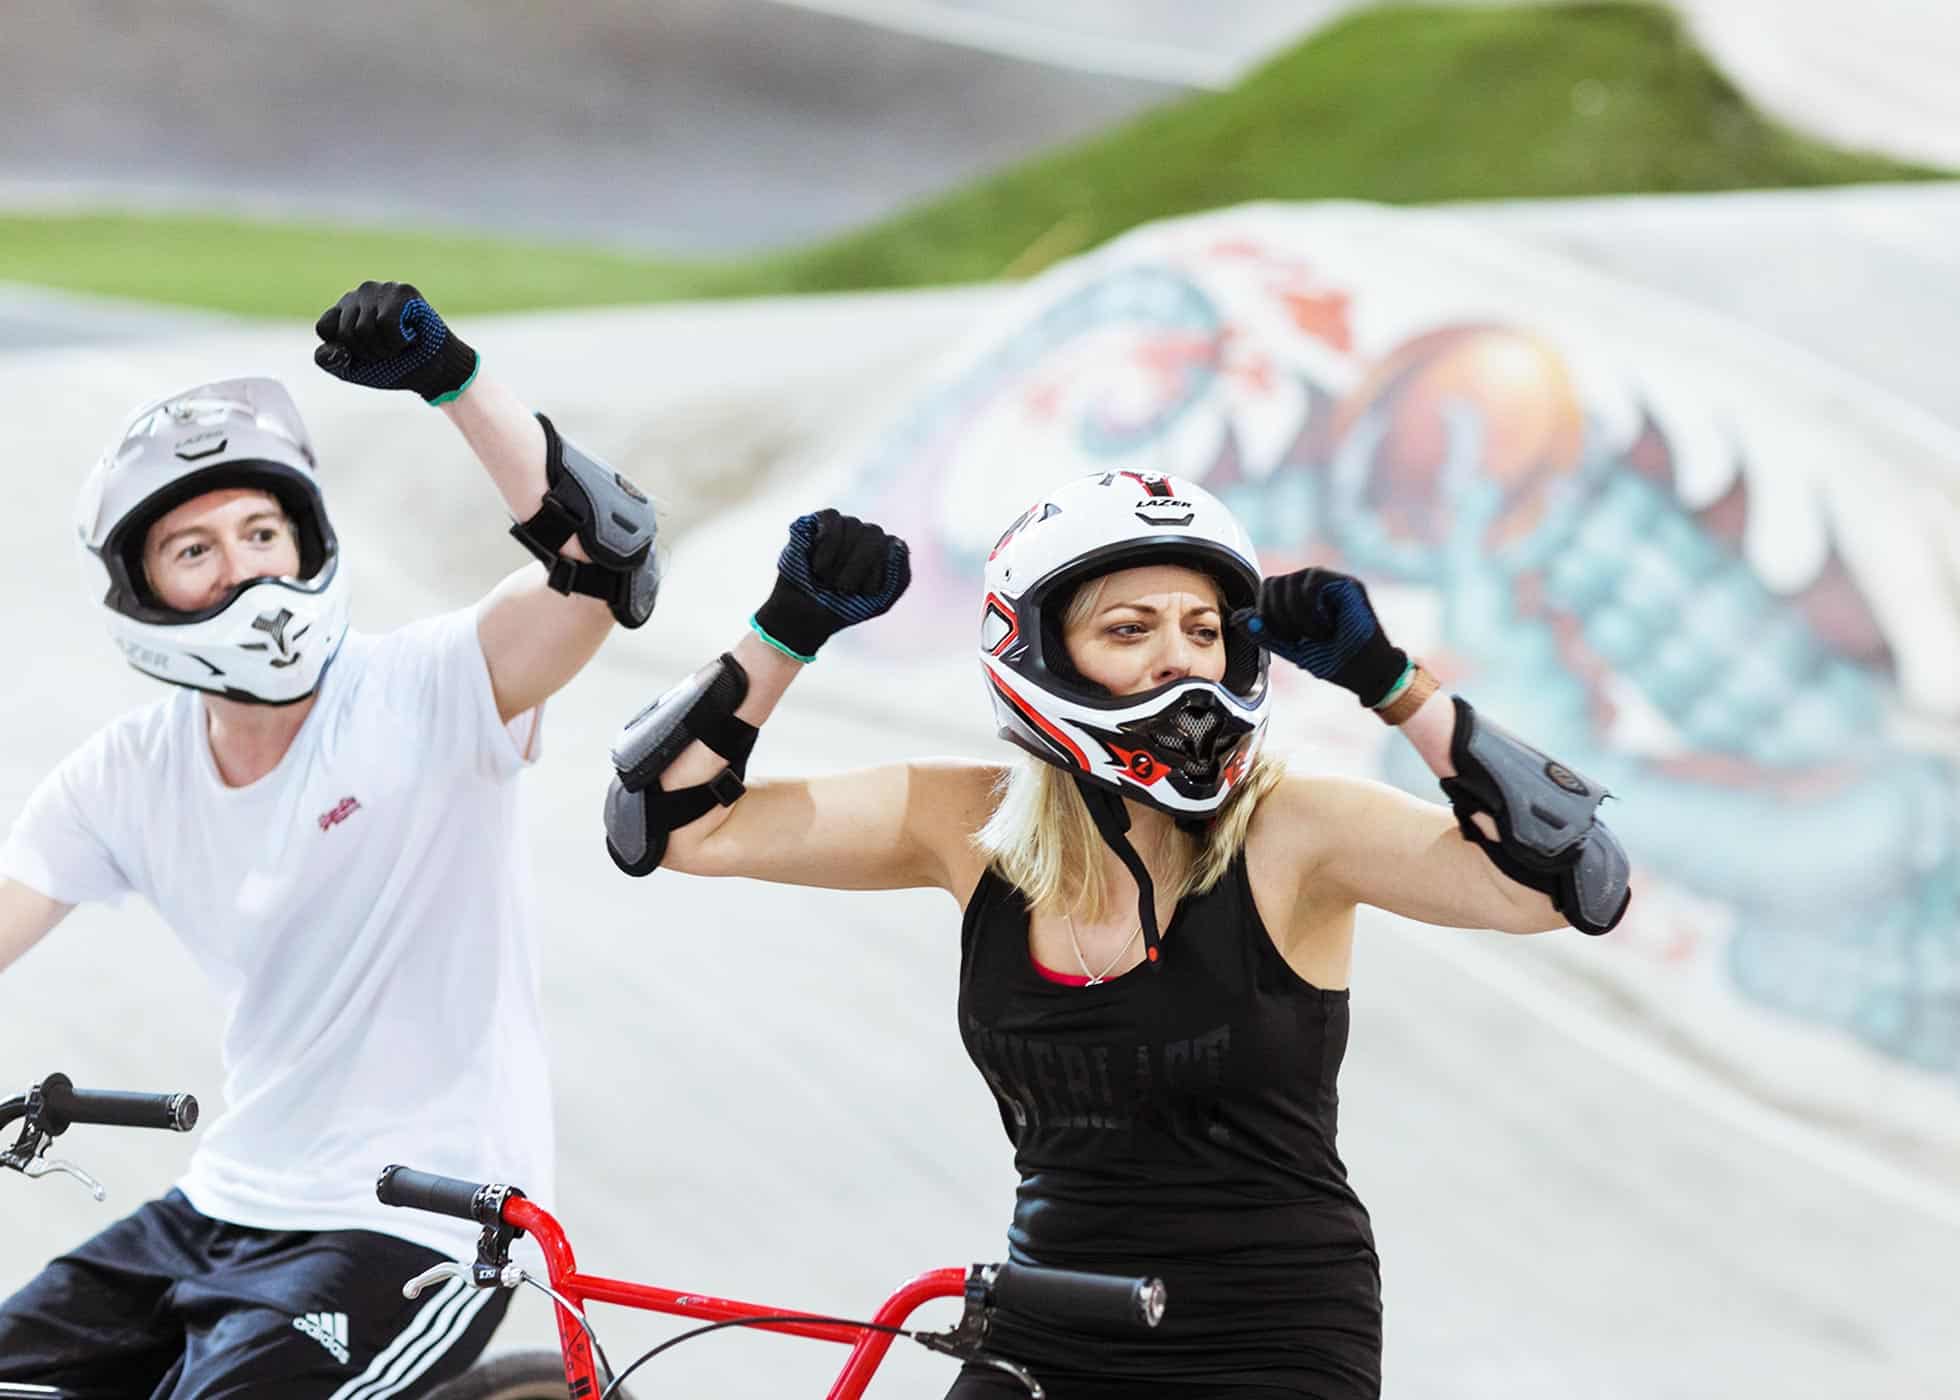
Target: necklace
[(1097, 978)]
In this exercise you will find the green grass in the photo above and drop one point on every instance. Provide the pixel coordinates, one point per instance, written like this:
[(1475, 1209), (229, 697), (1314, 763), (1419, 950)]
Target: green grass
[(286, 269), (1402, 104)]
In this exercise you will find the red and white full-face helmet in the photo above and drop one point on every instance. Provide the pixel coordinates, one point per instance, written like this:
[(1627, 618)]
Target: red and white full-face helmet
[(1181, 747)]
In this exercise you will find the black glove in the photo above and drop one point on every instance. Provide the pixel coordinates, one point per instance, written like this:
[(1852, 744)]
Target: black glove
[(1323, 623), (835, 571), (382, 335)]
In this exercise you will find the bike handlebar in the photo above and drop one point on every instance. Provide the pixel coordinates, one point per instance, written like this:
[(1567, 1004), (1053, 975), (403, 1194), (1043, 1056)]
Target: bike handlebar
[(63, 1105), (1078, 1299), (1059, 1295), (443, 1195)]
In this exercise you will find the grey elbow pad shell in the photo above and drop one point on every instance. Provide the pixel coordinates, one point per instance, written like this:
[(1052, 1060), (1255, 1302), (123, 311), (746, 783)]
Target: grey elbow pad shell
[(1599, 883), (640, 814), (1550, 837), (612, 519), (628, 840)]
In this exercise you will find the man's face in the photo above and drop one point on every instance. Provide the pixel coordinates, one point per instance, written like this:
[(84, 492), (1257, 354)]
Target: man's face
[(210, 544)]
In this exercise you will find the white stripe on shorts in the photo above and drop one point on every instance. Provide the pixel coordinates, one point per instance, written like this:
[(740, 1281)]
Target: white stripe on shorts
[(436, 1347), (434, 1316)]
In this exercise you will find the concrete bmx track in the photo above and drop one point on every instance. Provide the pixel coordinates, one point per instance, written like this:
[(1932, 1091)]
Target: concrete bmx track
[(687, 126), (761, 1093)]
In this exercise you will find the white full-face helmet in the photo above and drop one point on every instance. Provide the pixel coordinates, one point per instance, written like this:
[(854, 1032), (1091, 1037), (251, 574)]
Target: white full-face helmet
[(268, 640), (1182, 747)]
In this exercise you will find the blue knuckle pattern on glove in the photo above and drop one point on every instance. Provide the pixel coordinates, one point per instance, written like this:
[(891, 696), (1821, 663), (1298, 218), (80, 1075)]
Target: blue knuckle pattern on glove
[(1354, 623), (794, 564), (425, 333)]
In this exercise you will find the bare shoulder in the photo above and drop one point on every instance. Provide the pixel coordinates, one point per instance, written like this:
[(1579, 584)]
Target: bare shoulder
[(1308, 817), (1332, 794), (1302, 803), (954, 794), (947, 801)]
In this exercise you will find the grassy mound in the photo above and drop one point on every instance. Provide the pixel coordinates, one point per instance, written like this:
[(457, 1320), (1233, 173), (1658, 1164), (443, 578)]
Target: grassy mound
[(1402, 104)]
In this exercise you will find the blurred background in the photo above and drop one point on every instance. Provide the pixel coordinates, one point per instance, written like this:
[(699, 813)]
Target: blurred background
[(1611, 342)]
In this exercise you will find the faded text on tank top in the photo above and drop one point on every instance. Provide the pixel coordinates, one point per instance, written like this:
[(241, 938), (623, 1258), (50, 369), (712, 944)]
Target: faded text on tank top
[(1046, 1085)]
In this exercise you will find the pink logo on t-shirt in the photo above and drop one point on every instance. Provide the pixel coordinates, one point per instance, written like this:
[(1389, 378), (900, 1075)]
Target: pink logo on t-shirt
[(339, 812)]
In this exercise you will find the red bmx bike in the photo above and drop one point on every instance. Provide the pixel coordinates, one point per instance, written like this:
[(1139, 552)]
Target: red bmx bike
[(580, 1369)]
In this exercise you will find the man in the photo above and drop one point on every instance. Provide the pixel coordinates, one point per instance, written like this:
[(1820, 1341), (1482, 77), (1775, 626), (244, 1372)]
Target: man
[(329, 822)]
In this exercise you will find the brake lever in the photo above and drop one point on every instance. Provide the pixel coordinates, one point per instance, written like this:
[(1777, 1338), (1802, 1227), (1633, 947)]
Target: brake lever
[(965, 1340), (512, 1276), (477, 1276), (429, 1277), (43, 1166), (948, 1344)]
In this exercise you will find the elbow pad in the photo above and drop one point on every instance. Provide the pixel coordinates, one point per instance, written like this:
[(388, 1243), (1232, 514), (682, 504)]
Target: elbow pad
[(612, 519), (640, 814), (1550, 838)]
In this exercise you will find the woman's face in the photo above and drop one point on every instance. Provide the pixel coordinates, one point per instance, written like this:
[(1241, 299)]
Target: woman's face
[(1137, 629)]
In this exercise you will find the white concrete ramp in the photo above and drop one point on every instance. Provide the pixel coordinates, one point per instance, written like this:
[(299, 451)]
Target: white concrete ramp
[(761, 1093)]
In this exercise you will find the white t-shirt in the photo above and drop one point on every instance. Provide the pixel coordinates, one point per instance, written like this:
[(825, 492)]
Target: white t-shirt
[(365, 913)]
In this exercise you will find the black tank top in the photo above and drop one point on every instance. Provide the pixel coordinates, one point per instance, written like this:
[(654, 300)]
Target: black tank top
[(1180, 1120)]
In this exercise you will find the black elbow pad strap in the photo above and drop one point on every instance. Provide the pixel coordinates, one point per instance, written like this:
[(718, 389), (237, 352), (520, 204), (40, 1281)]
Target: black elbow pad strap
[(640, 813), (1550, 837), (613, 521)]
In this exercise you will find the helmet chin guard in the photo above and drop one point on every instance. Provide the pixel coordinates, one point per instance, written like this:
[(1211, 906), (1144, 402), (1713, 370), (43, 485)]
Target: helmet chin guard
[(1181, 747), (267, 641)]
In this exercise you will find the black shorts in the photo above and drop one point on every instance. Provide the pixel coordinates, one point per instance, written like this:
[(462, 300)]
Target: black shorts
[(170, 1303)]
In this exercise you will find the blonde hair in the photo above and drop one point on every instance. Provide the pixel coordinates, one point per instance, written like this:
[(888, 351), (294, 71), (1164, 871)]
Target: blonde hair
[(1041, 839)]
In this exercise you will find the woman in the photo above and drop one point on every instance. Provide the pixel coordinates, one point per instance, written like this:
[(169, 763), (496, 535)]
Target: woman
[(1169, 1088)]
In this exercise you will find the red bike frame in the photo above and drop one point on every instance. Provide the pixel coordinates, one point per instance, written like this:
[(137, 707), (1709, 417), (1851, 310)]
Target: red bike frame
[(868, 1348)]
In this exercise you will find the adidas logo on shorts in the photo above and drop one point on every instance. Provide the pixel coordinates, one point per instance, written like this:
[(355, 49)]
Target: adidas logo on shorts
[(328, 1329)]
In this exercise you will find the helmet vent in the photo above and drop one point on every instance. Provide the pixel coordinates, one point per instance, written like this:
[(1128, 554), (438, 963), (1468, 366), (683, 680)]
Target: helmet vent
[(1191, 736), (994, 628), (1196, 726)]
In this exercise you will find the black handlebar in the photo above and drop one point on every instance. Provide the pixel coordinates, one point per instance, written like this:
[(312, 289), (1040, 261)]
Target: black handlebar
[(444, 1195), (1078, 1299), (63, 1105)]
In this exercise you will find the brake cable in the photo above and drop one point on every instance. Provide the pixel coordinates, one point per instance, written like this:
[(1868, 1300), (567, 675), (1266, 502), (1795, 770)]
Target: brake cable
[(931, 1341)]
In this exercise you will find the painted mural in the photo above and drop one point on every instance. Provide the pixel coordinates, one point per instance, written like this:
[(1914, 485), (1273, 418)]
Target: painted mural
[(1598, 526)]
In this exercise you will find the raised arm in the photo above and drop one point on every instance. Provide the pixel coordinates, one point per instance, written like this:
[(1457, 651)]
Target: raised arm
[(592, 530), (1522, 850), (678, 797), (534, 637), (26, 915)]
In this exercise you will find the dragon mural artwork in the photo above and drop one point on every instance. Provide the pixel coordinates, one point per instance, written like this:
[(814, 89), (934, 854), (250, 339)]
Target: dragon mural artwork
[(1645, 593)]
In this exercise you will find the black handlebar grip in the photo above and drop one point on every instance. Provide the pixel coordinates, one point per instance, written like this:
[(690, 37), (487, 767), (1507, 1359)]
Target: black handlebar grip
[(444, 1195), (1077, 1299), (64, 1105)]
